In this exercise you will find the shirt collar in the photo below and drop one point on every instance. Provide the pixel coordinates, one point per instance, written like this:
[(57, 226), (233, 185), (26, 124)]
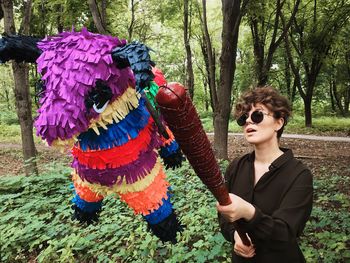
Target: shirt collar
[(287, 155)]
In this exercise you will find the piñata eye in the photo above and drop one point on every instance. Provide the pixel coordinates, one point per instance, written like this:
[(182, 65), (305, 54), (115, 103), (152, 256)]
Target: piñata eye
[(99, 97)]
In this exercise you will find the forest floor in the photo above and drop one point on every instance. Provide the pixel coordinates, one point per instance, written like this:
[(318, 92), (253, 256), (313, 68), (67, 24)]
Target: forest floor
[(318, 155)]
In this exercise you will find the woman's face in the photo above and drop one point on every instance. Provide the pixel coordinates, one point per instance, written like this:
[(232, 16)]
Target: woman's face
[(264, 132)]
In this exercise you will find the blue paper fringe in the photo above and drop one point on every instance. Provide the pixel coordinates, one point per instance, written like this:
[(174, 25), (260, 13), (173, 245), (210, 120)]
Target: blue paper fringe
[(117, 133), (136, 55), (168, 150), (161, 213), (86, 206)]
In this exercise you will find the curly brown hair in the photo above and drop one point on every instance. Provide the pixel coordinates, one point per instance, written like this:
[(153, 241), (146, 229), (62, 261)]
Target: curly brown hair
[(269, 97)]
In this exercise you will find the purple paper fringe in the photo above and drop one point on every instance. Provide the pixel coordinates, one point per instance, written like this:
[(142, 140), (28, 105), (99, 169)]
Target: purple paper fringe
[(70, 65)]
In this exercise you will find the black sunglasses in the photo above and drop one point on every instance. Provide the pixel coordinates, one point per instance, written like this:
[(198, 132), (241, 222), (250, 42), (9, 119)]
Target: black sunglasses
[(256, 117)]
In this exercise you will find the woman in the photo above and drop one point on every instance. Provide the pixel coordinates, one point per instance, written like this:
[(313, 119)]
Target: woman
[(270, 190)]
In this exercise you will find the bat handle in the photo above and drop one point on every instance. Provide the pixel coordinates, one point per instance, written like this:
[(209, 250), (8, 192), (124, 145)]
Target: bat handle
[(242, 235), (224, 199)]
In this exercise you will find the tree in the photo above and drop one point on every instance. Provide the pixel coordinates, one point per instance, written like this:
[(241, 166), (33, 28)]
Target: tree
[(338, 73), (209, 57), (21, 87), (311, 39), (187, 37), (99, 15), (264, 19)]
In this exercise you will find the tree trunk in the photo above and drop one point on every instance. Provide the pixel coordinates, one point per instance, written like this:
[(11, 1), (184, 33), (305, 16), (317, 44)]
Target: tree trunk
[(21, 90), (337, 97), (104, 13), (231, 10), (24, 113), (132, 22), (97, 17), (59, 19), (331, 95), (189, 66), (209, 58), (308, 112)]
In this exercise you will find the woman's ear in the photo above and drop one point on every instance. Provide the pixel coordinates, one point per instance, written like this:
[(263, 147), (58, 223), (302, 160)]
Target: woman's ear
[(279, 124), (19, 48)]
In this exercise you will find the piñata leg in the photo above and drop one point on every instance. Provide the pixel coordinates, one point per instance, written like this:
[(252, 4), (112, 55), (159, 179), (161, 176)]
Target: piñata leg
[(86, 203), (153, 203)]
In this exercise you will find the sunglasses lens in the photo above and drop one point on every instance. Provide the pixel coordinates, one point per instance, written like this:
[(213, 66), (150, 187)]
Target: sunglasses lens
[(242, 120), (257, 116)]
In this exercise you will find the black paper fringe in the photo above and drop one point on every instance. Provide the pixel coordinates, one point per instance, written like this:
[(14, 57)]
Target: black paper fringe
[(167, 229), (19, 48), (85, 217), (174, 160)]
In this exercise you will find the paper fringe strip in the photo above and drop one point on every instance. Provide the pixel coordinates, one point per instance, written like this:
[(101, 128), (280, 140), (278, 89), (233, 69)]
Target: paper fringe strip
[(123, 188), (136, 55), (117, 110), (168, 150), (150, 199), (116, 134), (151, 92), (161, 213), (86, 206), (85, 192), (129, 173), (122, 155)]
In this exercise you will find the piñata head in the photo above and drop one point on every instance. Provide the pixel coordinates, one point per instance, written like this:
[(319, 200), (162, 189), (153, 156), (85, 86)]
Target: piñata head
[(80, 80)]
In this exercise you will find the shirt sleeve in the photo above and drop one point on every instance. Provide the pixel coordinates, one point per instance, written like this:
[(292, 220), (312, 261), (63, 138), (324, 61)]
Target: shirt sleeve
[(289, 220)]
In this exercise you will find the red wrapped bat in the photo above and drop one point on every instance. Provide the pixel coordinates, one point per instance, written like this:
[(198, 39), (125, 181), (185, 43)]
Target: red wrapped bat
[(183, 120)]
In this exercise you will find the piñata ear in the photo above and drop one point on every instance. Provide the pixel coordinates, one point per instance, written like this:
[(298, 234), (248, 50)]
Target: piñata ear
[(135, 55), (19, 48)]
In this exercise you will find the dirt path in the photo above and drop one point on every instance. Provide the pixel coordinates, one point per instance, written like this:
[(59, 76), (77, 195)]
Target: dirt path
[(316, 151)]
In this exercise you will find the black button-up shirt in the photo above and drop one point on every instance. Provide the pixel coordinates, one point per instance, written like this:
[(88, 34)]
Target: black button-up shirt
[(283, 202)]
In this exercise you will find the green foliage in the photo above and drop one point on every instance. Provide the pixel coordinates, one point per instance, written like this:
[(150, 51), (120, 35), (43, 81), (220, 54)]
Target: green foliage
[(320, 126), (8, 117), (326, 236), (35, 223)]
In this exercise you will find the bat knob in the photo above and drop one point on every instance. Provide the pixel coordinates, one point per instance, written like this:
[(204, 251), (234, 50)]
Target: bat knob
[(170, 95)]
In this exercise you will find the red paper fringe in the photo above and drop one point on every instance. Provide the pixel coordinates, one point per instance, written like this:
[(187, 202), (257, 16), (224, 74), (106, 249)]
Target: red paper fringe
[(117, 156)]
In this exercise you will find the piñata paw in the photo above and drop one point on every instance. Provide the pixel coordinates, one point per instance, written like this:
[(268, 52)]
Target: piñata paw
[(166, 230)]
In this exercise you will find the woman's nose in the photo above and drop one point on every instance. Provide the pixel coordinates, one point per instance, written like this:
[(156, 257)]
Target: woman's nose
[(249, 120)]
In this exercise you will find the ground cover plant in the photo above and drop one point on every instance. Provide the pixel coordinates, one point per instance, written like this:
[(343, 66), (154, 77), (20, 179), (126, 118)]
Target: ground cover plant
[(35, 223)]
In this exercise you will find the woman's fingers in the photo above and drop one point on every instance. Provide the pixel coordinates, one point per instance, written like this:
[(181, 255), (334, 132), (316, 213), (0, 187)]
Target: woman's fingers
[(245, 251)]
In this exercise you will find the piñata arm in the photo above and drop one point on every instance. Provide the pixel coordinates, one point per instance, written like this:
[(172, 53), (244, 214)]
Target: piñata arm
[(19, 48), (170, 151)]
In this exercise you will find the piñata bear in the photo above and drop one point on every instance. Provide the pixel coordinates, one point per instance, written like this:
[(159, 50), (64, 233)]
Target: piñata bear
[(94, 91)]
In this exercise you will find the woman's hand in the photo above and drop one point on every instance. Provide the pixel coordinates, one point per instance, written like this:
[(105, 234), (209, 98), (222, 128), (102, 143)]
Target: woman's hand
[(238, 209), (242, 250)]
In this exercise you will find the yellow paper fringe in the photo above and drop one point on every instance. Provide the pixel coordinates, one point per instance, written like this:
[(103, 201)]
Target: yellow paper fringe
[(64, 146), (122, 188), (116, 111)]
